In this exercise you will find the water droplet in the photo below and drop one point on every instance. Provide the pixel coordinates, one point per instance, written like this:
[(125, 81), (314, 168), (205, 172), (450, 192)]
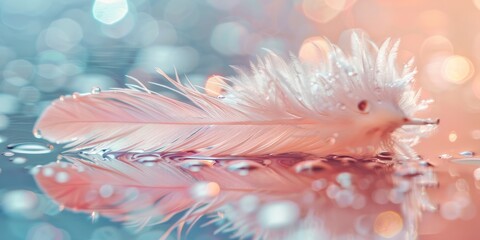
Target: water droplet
[(352, 73), (37, 133), (8, 154), (106, 191), (275, 215), (30, 148), (95, 90), (204, 190), (243, 167), (445, 156), (75, 95), (467, 153), (19, 160), (62, 177), (196, 165), (94, 216), (62, 98), (385, 156), (311, 166)]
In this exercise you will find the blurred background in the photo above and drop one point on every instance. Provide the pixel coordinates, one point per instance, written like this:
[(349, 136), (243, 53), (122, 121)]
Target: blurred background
[(53, 47)]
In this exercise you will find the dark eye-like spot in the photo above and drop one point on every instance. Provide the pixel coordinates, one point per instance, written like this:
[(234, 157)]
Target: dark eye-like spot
[(363, 106)]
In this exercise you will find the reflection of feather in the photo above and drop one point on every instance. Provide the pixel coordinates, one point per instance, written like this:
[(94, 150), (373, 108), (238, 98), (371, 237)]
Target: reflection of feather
[(349, 103), (275, 198)]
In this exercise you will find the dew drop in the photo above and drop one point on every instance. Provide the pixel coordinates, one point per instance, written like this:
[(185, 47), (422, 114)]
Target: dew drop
[(30, 148), (311, 166), (95, 90), (445, 156), (8, 154), (385, 156), (243, 167), (62, 177), (275, 215), (37, 133), (196, 165), (19, 160), (94, 216), (467, 153), (75, 95)]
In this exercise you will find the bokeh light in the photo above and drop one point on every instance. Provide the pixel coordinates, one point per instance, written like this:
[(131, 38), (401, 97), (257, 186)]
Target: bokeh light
[(388, 224)]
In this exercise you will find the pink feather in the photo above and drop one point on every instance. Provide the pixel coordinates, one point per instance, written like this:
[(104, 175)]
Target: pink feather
[(350, 104)]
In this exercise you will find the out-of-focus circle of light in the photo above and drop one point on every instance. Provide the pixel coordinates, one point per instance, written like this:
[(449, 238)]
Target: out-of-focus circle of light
[(274, 44), (46, 231), (229, 38), (10, 104), (145, 33), (314, 50), (63, 34), (204, 190), (214, 86), (20, 203), (109, 11), (322, 11), (477, 4), (388, 224), (457, 69), (436, 44), (278, 214), (168, 58), (452, 136), (19, 68), (4, 122), (222, 4), (121, 29)]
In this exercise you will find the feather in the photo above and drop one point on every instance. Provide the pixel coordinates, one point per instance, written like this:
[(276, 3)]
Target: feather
[(350, 103)]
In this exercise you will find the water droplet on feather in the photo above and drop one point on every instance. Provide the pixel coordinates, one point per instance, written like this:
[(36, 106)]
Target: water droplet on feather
[(243, 167), (30, 148), (310, 166), (95, 90), (467, 153), (196, 165)]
